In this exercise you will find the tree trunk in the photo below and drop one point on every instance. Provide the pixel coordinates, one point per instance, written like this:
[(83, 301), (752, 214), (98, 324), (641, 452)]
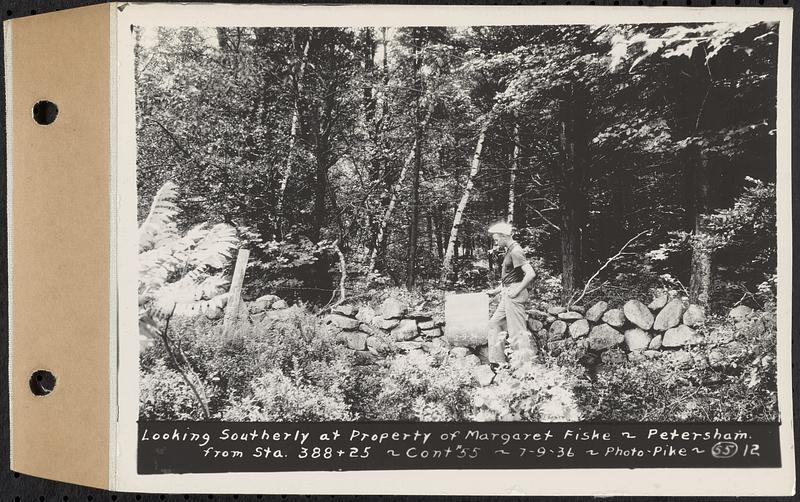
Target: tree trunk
[(701, 275), (411, 267), (447, 266), (287, 170), (387, 215), (572, 112), (512, 175)]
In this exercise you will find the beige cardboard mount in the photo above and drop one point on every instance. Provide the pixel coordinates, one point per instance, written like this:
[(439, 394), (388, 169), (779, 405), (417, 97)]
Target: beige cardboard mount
[(59, 221)]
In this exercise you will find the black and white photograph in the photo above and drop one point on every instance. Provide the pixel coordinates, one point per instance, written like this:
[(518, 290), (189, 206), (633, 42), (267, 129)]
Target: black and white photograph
[(505, 223)]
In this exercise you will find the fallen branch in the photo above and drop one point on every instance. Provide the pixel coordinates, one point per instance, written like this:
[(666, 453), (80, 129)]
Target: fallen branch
[(617, 256)]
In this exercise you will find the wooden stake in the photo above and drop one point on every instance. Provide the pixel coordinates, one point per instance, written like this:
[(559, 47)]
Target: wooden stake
[(235, 293)]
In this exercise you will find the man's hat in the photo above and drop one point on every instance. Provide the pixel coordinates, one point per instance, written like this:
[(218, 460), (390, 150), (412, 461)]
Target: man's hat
[(501, 228)]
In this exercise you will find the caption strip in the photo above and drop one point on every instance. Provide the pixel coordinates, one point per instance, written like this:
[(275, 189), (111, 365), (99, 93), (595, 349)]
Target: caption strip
[(205, 447)]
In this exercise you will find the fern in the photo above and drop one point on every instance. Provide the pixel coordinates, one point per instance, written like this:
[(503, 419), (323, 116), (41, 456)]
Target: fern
[(159, 226)]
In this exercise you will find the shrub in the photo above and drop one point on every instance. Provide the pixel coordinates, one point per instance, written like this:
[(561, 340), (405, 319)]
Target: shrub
[(417, 388), (163, 395), (528, 392)]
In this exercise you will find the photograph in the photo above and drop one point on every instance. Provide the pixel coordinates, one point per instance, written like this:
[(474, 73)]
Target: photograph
[(485, 223)]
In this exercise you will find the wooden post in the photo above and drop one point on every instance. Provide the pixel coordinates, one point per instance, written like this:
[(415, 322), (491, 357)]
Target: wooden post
[(235, 293)]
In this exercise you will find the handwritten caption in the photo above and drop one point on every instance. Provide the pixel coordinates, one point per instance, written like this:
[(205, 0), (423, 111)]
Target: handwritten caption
[(253, 447)]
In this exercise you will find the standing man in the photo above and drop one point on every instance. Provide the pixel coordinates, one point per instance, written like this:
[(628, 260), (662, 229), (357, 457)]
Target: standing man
[(510, 315)]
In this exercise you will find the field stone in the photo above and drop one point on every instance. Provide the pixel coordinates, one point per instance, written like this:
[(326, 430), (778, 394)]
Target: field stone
[(651, 354), (342, 322), (263, 302), (740, 312), (408, 346), (554, 311), (579, 328), (637, 339), (557, 330), (670, 316), (472, 360), (655, 343), (694, 316), (346, 310), (658, 302), (636, 357), (356, 340), (681, 358), (392, 308), (550, 320), (570, 316), (425, 325), (406, 330), (371, 330), (603, 337), (385, 324), (678, 337), (435, 332), (378, 345), (578, 308), (637, 313), (538, 314), (596, 311), (214, 313), (280, 304), (365, 314), (483, 374), (615, 318), (459, 352), (534, 324)]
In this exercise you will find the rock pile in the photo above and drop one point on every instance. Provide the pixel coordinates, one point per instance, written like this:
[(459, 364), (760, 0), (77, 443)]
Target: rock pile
[(393, 328), (635, 330)]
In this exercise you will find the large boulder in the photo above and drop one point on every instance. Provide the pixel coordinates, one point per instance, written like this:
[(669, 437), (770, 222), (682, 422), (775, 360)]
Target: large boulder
[(557, 330), (740, 312), (579, 328), (603, 337), (343, 322), (658, 302), (392, 308), (569, 316), (356, 340), (638, 314), (596, 311), (637, 339), (615, 318), (694, 316), (670, 316), (678, 337), (406, 330)]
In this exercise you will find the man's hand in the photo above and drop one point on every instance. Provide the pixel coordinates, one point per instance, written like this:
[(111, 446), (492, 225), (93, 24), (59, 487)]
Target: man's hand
[(494, 291)]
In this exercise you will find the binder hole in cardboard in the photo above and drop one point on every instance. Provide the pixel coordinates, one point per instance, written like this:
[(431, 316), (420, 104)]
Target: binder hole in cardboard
[(42, 382), (45, 112)]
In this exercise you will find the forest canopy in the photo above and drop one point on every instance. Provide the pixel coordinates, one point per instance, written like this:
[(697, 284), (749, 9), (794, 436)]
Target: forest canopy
[(394, 149)]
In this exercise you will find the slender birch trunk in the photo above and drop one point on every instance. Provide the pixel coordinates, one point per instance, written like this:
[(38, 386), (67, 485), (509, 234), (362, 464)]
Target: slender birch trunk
[(512, 176), (447, 265), (393, 198), (287, 171)]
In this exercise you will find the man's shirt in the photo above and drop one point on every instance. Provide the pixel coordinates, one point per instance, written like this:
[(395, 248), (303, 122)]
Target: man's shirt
[(512, 265)]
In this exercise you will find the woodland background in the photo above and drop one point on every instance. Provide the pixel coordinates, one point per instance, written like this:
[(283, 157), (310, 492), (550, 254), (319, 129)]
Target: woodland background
[(355, 162)]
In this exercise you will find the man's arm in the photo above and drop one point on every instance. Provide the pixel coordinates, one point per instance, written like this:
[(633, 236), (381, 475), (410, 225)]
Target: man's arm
[(529, 276)]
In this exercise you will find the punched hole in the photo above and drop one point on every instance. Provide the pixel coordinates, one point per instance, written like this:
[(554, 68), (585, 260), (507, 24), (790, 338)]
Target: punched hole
[(42, 382), (45, 112)]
